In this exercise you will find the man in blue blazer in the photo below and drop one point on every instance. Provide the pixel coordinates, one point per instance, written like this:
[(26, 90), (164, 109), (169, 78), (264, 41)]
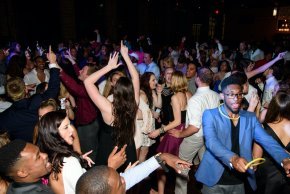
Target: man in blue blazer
[(229, 135)]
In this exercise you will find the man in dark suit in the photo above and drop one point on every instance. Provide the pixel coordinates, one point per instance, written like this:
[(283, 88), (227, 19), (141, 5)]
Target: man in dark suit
[(25, 165), (19, 119)]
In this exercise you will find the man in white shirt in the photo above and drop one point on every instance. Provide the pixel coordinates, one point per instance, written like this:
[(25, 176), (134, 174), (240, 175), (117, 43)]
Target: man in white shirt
[(193, 141)]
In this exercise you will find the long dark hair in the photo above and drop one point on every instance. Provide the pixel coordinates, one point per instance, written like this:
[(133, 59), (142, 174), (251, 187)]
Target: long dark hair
[(145, 86), (279, 108), (124, 111), (52, 143)]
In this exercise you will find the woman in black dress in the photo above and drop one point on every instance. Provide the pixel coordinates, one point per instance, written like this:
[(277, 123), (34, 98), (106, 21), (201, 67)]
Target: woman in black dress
[(119, 115), (271, 177)]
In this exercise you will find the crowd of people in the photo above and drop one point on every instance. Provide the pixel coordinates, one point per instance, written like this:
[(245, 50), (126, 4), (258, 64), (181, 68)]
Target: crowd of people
[(86, 117)]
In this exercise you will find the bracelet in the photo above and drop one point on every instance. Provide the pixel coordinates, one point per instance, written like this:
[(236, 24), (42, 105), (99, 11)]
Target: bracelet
[(161, 130), (160, 162)]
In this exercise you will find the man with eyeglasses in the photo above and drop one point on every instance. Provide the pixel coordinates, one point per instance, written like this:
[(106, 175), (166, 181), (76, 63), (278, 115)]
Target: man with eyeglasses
[(229, 134)]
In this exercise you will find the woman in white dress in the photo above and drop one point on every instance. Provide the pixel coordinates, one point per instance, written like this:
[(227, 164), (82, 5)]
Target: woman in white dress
[(56, 139)]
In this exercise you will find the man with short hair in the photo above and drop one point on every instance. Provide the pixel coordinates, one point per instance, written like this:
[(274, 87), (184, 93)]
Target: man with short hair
[(193, 141), (151, 65), (105, 180), (25, 165), (190, 75), (229, 134)]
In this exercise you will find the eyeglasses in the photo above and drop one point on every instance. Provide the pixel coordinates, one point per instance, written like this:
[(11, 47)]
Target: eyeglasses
[(232, 96)]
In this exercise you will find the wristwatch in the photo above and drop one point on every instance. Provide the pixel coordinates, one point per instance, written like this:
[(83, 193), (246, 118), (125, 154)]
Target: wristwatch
[(161, 162)]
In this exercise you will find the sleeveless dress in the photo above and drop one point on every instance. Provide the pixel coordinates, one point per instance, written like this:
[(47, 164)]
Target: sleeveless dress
[(106, 145), (271, 177), (170, 144)]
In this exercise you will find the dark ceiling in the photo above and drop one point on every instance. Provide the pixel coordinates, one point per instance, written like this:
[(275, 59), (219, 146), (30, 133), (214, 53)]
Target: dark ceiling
[(256, 3)]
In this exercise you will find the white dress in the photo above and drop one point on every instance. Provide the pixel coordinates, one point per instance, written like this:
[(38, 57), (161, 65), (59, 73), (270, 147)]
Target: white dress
[(71, 172), (144, 126)]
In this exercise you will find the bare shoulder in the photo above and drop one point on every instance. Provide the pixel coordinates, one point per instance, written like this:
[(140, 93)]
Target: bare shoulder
[(143, 96)]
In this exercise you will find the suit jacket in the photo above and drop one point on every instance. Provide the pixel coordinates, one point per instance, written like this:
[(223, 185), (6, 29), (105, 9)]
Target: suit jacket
[(20, 118), (28, 188), (217, 133)]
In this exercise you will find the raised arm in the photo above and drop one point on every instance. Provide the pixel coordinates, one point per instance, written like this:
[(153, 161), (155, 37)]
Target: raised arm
[(54, 81), (132, 70), (100, 101), (266, 66), (69, 57)]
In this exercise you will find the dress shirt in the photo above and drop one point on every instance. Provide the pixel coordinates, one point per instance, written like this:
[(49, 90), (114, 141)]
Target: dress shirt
[(153, 67), (203, 99), (139, 172)]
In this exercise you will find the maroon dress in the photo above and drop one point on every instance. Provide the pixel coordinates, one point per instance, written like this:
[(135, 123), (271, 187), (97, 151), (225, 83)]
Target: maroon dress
[(170, 144)]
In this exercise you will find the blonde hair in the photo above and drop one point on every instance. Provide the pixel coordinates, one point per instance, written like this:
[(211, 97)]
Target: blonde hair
[(50, 102), (15, 88), (44, 104), (108, 87), (169, 61), (178, 82)]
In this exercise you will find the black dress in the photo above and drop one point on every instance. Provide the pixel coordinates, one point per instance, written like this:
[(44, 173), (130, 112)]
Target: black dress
[(271, 177), (106, 145)]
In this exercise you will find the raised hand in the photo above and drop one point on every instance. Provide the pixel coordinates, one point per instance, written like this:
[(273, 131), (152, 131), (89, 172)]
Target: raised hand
[(254, 101), (116, 159), (88, 159), (281, 55), (124, 49), (51, 56), (68, 56), (113, 61)]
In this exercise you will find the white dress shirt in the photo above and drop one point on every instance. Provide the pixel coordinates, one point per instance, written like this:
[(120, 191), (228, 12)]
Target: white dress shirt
[(204, 98)]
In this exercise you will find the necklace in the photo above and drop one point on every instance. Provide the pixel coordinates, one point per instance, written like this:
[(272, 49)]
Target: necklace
[(231, 118)]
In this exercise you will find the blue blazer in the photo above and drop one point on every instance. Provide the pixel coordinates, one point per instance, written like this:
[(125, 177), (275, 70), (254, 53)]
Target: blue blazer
[(217, 133)]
